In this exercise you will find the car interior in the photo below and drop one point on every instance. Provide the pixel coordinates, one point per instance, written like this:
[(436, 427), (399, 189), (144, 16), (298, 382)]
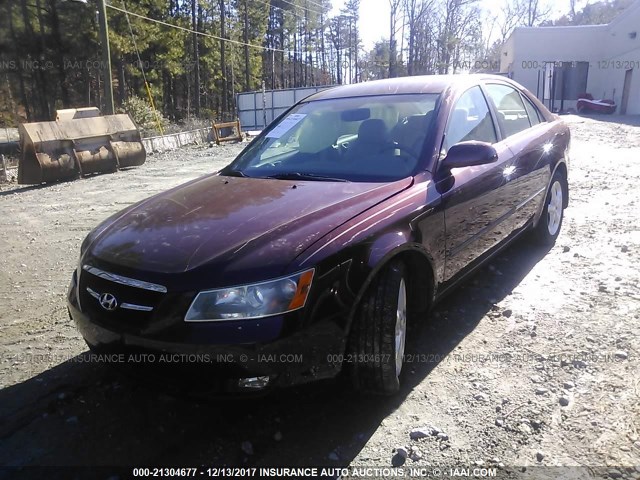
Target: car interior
[(373, 139)]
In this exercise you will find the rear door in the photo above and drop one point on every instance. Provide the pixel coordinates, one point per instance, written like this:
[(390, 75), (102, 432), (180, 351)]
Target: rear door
[(531, 140), (477, 200)]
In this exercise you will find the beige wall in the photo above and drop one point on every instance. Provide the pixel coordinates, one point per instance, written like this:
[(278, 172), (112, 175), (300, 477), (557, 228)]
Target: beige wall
[(526, 50), (608, 81), (624, 53)]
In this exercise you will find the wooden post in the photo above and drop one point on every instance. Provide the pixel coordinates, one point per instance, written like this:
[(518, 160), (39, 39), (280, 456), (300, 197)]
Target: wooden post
[(264, 106), (4, 168)]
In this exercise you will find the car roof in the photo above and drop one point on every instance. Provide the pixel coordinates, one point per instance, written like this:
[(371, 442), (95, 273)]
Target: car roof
[(404, 85)]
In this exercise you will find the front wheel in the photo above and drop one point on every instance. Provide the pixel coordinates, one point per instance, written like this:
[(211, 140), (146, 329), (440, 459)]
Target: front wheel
[(548, 227), (379, 333)]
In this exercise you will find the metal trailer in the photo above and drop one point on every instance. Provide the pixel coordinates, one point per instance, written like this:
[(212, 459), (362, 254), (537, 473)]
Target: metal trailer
[(258, 109)]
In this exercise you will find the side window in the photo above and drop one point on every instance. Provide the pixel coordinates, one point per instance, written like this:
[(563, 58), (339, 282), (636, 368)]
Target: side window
[(470, 120), (534, 114), (512, 114)]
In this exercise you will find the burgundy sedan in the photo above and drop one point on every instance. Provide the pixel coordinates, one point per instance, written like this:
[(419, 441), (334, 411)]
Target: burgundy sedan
[(355, 210)]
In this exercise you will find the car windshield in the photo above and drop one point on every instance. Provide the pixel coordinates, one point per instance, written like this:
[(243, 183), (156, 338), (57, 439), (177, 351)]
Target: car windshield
[(366, 139)]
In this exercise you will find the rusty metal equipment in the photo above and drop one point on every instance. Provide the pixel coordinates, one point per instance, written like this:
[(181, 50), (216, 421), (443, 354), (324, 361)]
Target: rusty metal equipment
[(79, 142), (221, 132)]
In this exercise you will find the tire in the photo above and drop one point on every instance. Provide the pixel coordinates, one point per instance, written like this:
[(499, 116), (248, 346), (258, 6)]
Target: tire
[(550, 223), (378, 336)]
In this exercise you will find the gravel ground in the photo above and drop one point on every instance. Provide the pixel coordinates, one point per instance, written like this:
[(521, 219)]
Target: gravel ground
[(533, 362)]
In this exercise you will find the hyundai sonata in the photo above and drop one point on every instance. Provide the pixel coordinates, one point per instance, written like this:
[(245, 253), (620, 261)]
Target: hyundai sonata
[(355, 210)]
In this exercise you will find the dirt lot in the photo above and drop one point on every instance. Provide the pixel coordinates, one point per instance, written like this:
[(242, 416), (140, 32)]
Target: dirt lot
[(534, 362)]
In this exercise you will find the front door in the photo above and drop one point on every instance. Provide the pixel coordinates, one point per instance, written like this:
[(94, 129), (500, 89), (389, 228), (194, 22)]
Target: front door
[(475, 199)]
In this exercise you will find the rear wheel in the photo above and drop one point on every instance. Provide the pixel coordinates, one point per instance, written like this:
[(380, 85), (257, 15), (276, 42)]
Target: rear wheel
[(550, 222), (379, 333)]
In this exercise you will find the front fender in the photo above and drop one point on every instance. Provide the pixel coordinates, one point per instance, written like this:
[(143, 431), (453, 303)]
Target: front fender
[(419, 262), (409, 224), (385, 244)]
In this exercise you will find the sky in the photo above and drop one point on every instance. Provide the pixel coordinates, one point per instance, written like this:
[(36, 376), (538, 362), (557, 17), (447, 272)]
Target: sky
[(374, 16), (374, 20)]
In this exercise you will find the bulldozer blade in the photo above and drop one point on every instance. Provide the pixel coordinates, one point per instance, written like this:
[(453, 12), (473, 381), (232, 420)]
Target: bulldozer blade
[(77, 143), (130, 154)]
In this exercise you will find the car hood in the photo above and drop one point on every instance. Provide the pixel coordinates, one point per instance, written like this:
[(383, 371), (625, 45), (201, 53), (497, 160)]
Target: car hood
[(247, 222)]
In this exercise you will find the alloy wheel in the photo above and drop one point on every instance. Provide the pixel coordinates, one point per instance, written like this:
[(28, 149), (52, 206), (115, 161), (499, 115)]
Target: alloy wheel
[(401, 325), (554, 208)]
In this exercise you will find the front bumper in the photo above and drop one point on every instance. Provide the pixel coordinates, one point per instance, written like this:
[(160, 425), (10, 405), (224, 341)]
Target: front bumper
[(214, 354)]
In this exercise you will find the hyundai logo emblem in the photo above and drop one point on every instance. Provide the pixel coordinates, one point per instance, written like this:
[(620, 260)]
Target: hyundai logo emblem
[(108, 301)]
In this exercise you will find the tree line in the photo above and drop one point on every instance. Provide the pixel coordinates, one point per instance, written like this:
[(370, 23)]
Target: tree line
[(50, 51)]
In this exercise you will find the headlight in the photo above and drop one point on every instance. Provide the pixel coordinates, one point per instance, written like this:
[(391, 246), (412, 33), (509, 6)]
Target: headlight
[(251, 301)]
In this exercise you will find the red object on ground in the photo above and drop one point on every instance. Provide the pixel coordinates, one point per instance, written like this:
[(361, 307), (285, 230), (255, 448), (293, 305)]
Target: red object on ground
[(586, 104)]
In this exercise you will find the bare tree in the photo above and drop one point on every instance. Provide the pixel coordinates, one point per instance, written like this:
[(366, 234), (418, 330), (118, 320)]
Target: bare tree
[(459, 18), (414, 11), (245, 39), (572, 9), (196, 55), (223, 62), (351, 11), (336, 36), (513, 16), (394, 6), (528, 13)]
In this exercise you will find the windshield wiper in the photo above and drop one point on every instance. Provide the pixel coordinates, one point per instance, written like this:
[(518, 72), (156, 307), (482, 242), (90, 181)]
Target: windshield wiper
[(233, 173), (305, 176)]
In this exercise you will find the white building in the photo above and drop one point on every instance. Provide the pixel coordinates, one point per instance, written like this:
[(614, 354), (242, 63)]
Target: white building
[(559, 63)]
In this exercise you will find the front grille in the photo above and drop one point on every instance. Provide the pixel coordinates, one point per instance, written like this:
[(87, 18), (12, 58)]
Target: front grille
[(135, 300)]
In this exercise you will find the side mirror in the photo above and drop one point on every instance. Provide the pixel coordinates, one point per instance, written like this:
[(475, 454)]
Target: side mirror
[(467, 154)]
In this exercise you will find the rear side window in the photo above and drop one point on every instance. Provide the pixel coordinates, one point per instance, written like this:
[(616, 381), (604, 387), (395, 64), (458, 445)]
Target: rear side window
[(534, 114), (512, 114)]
